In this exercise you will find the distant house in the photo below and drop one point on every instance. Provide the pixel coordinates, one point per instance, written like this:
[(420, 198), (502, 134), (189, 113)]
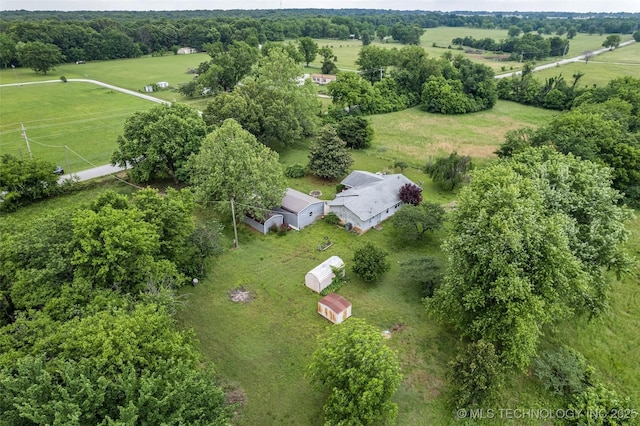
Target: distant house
[(368, 199), (322, 78), (299, 209), (263, 226), (322, 275), (334, 307), (162, 84), (148, 88), (186, 51)]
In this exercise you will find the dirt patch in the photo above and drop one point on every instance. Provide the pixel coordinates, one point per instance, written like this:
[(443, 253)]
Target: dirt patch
[(397, 327), (241, 295)]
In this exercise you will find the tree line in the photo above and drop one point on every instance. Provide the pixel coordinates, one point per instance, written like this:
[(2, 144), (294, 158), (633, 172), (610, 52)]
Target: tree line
[(112, 35)]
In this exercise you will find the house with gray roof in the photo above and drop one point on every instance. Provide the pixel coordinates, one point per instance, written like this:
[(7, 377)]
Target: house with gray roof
[(299, 209), (368, 199)]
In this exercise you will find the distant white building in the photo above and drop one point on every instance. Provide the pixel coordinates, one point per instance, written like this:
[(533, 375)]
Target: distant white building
[(148, 88), (186, 51), (162, 84)]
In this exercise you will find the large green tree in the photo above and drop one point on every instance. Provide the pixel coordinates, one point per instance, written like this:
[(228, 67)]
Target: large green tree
[(411, 222), (158, 142), (520, 256), (270, 103), (25, 181), (308, 48), (233, 165), (360, 372), (40, 57), (328, 155)]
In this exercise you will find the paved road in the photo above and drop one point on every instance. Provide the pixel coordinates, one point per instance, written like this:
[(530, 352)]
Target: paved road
[(91, 173), (566, 61)]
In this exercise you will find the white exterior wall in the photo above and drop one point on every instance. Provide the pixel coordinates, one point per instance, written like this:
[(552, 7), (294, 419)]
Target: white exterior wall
[(337, 317)]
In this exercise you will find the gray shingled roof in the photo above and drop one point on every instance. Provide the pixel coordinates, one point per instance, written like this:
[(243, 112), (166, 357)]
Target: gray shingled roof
[(361, 178), (296, 201), (372, 197)]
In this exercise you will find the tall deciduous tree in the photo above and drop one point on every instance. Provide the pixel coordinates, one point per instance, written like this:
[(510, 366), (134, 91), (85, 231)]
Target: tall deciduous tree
[(355, 131), (232, 164), (158, 142), (360, 372), (308, 48), (270, 103), (530, 240), (412, 222), (40, 57), (328, 156)]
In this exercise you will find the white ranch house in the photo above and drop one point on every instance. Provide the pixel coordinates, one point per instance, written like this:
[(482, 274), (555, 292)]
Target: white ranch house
[(368, 199)]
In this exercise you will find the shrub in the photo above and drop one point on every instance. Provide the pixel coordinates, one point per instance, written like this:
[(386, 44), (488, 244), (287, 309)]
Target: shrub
[(332, 219), (563, 371), (411, 194), (370, 262), (63, 78), (296, 170)]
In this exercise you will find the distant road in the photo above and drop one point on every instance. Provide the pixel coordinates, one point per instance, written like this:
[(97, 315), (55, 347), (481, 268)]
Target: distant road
[(95, 172), (566, 61)]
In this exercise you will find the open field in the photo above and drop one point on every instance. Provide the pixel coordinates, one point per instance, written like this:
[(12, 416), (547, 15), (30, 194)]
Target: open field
[(415, 136), (88, 119), (600, 69), (131, 74), (84, 117), (347, 50)]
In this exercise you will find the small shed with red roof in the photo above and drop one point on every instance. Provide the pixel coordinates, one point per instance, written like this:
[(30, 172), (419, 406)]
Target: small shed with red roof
[(334, 307)]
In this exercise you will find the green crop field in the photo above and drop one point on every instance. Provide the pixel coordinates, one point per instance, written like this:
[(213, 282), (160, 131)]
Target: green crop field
[(84, 117)]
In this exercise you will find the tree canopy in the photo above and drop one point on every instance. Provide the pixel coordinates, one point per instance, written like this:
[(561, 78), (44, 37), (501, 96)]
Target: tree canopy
[(519, 257), (360, 372), (159, 141), (232, 164), (328, 155), (40, 57), (270, 103)]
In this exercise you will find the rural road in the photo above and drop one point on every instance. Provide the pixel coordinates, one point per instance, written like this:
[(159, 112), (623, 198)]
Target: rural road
[(109, 169), (566, 61)]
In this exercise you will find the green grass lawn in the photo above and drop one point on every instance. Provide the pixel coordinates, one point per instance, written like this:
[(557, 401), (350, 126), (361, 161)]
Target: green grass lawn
[(84, 117)]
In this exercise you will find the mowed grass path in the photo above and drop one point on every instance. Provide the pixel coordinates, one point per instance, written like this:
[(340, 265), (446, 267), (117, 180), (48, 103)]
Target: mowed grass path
[(84, 117)]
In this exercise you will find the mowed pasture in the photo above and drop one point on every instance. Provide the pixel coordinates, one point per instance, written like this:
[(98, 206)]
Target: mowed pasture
[(436, 41), (84, 117), (88, 119), (133, 74), (600, 69)]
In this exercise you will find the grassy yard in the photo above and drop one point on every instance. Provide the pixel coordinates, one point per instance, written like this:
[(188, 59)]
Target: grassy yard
[(84, 117)]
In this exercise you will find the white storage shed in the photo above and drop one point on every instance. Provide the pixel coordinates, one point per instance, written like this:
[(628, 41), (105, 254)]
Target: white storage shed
[(322, 275), (334, 307)]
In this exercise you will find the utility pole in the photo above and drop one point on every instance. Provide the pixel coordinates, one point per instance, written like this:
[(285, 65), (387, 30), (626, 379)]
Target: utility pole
[(66, 155), (26, 139), (235, 229)]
